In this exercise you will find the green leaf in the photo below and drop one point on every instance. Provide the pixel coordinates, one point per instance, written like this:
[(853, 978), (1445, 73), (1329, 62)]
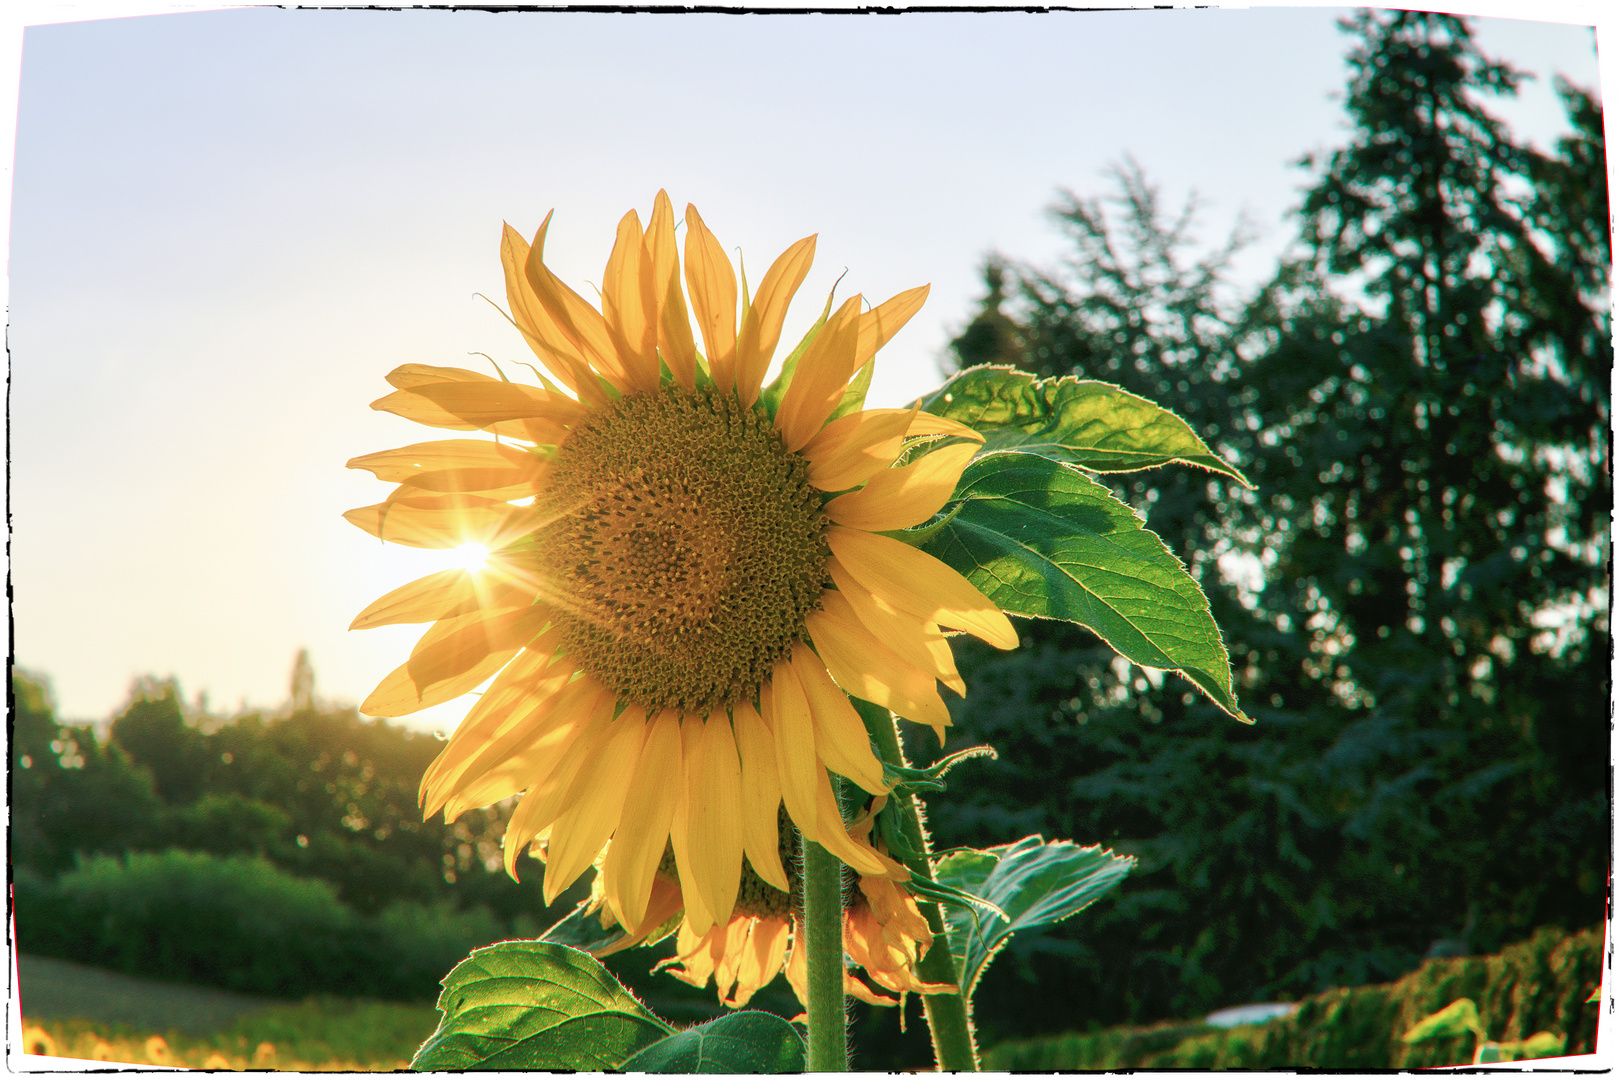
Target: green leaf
[(582, 929), (1040, 538), (536, 1005), (743, 1042), (1034, 882), (1458, 1018), (1094, 425)]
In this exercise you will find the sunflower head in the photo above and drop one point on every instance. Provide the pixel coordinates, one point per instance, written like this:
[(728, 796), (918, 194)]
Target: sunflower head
[(687, 573)]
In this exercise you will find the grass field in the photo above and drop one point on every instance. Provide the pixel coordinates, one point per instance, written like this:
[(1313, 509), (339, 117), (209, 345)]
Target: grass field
[(70, 1010)]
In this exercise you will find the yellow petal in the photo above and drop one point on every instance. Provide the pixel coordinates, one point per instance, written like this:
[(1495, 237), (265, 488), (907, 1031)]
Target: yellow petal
[(928, 424), (399, 695), (760, 959), (548, 341), (841, 739), (761, 795), (762, 325), (674, 327), (785, 710), (643, 832), (919, 643), (884, 321), (835, 838), (903, 497), (523, 686), (819, 380), (714, 298), (423, 600), (535, 745), (428, 520), (456, 645), (545, 798), (579, 323), (630, 306), (855, 447), (518, 743), (698, 919), (595, 800), (469, 404), (867, 668), (410, 376), (452, 465), (714, 818), (915, 581)]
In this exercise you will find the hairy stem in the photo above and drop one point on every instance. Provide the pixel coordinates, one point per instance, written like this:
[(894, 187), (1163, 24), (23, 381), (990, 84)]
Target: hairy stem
[(948, 1020), (824, 955)]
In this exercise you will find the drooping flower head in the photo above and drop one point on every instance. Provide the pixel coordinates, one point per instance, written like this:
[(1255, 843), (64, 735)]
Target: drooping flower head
[(884, 933), (687, 571)]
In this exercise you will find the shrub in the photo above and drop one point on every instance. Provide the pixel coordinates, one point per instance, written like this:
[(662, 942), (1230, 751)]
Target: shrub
[(1538, 985)]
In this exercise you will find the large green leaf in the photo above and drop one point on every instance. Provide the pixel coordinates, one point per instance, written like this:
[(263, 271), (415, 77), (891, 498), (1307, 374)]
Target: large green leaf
[(536, 1005), (1040, 538), (743, 1042), (1034, 882), (1094, 425)]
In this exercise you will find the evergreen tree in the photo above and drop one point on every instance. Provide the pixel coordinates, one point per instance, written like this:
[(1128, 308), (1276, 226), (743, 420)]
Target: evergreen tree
[(1421, 398), (1433, 461)]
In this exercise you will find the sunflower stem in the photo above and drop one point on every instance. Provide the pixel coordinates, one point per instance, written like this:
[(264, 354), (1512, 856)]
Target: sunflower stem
[(824, 954), (949, 1021)]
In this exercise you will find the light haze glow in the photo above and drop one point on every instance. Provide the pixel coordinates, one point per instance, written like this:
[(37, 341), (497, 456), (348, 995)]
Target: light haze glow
[(228, 226)]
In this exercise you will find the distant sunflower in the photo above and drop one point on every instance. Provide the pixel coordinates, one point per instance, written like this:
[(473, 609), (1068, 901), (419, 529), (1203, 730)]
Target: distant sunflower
[(683, 576)]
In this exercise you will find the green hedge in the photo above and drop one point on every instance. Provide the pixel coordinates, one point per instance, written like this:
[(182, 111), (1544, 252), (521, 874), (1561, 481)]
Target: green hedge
[(1538, 985), (241, 923)]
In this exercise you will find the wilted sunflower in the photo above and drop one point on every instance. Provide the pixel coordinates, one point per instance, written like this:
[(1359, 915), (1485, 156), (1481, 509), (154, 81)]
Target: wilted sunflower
[(684, 575)]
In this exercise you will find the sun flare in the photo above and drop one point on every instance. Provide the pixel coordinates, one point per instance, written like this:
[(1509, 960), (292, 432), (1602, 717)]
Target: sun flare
[(470, 557)]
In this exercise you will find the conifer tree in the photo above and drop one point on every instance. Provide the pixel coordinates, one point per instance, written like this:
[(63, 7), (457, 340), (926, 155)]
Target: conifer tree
[(1421, 397)]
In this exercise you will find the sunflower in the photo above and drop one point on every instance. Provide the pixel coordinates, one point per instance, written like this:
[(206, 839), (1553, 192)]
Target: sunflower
[(884, 932), (686, 571)]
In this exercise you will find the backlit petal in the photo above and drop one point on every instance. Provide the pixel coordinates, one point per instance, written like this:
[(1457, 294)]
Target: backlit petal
[(904, 497), (713, 286), (762, 326), (761, 795), (579, 323), (680, 837), (841, 738), (527, 751), (869, 669), (649, 806), (674, 327), (714, 818), (917, 641), (884, 321), (915, 581), (592, 808), (929, 424), (630, 306), (429, 520), (855, 447), (455, 645), (819, 380), (545, 797), (787, 712), (550, 344)]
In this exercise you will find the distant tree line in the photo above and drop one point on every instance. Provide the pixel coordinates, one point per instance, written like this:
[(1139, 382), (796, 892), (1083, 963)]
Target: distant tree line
[(121, 846), (1415, 597)]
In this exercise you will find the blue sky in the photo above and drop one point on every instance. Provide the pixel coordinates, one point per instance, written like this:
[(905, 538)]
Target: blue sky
[(228, 226)]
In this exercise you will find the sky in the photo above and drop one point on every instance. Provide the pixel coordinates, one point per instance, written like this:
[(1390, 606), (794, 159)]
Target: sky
[(227, 226)]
